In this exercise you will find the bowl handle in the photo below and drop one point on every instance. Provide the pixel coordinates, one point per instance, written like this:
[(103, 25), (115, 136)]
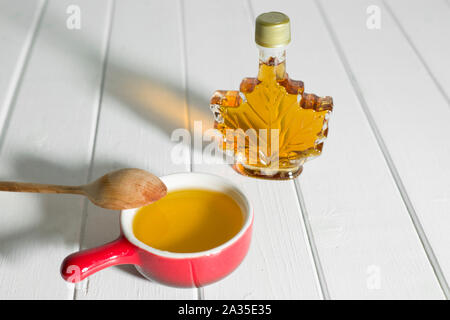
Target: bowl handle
[(82, 264)]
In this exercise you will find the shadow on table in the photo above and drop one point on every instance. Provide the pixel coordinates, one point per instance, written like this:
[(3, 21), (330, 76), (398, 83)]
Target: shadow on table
[(62, 216)]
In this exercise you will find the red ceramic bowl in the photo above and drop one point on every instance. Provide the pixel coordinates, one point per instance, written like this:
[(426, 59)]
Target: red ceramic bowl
[(175, 269)]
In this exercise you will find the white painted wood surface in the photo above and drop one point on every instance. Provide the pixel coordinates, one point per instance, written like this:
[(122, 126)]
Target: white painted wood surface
[(426, 26), (409, 116), (367, 220), (48, 138)]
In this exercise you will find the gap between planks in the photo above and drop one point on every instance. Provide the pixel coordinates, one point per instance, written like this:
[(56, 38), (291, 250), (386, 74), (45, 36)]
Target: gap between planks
[(199, 293), (184, 64), (390, 163), (320, 275), (96, 121), (19, 71), (416, 51)]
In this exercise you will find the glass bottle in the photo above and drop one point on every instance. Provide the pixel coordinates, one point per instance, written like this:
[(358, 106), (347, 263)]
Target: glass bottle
[(271, 126)]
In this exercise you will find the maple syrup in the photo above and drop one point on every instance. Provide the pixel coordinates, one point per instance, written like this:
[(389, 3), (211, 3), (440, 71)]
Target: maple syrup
[(188, 220), (271, 126)]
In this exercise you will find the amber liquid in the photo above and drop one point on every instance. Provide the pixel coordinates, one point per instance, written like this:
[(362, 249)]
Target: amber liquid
[(273, 101), (188, 221)]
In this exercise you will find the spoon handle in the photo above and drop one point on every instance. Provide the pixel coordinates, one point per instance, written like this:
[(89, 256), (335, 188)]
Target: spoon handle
[(38, 188)]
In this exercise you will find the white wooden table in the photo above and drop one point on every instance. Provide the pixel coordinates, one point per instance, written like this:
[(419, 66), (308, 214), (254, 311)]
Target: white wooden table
[(369, 219)]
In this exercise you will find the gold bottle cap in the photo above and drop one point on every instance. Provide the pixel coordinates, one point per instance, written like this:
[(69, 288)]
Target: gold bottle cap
[(272, 30)]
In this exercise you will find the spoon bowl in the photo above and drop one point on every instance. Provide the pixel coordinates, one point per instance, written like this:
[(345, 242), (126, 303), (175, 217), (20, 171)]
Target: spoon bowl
[(125, 189)]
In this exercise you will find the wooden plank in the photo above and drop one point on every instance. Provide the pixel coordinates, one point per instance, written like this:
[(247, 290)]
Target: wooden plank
[(48, 140), (220, 52), (426, 25), (398, 95), (366, 244), (18, 24), (143, 102)]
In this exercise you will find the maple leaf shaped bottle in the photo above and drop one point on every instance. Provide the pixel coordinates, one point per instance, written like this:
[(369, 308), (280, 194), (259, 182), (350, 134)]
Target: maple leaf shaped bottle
[(270, 126)]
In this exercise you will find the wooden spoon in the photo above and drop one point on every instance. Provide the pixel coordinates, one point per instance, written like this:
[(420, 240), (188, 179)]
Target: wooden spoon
[(117, 190)]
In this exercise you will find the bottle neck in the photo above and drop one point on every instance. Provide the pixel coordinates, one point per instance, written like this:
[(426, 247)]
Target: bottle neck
[(273, 59)]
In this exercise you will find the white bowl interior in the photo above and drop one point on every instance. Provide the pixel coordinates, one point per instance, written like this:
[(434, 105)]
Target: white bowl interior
[(192, 181)]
